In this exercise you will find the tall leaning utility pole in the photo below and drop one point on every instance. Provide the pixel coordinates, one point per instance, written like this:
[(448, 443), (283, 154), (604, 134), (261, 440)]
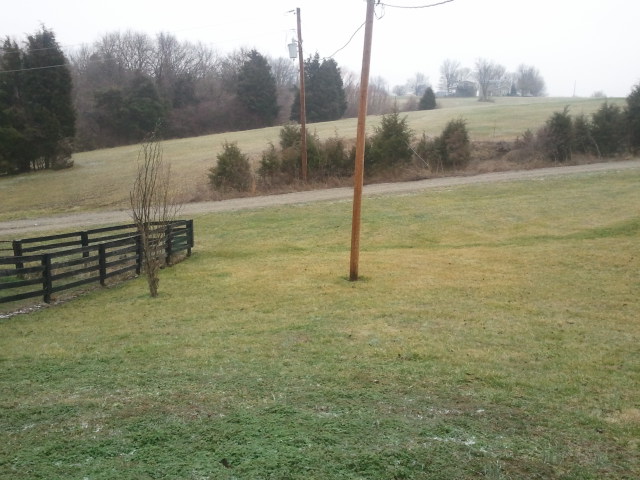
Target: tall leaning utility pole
[(358, 177), (303, 108)]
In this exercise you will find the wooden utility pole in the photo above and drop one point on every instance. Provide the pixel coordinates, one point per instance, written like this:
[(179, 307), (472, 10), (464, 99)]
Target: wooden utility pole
[(303, 108), (358, 177)]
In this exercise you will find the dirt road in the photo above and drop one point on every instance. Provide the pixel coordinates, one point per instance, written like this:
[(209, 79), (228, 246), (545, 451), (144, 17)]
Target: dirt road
[(21, 228)]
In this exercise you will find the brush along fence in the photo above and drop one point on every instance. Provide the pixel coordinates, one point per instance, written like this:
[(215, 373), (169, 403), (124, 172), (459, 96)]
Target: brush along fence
[(44, 266)]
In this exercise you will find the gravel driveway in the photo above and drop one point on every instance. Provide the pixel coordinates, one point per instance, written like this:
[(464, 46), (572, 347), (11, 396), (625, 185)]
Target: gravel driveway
[(22, 228)]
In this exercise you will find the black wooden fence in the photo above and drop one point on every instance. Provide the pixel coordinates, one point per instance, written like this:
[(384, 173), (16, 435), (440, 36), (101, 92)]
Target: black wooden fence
[(44, 266)]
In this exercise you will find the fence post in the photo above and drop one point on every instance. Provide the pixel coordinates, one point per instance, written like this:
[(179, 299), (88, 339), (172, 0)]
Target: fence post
[(102, 263), (189, 237), (84, 240), (17, 252), (47, 281), (168, 249), (138, 238)]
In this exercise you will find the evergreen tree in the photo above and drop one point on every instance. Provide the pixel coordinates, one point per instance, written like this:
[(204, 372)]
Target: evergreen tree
[(232, 171), (632, 113), (428, 100), (390, 145), (325, 98), (453, 147), (47, 88), (129, 114), (257, 89), (582, 136), (608, 129), (37, 119), (14, 145), (556, 137)]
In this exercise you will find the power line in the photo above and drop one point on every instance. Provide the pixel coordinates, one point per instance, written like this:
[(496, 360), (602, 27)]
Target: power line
[(355, 33), (417, 6), (348, 42), (61, 47), (33, 68), (379, 3)]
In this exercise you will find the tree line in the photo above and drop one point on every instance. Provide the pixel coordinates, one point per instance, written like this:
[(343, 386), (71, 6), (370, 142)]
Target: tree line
[(125, 85), (487, 79)]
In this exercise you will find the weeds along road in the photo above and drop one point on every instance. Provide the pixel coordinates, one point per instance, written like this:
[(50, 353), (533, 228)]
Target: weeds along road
[(21, 228)]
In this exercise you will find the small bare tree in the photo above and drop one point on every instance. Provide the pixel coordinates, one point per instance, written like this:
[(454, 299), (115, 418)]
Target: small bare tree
[(153, 207), (418, 84), (490, 77), (529, 81), (449, 76)]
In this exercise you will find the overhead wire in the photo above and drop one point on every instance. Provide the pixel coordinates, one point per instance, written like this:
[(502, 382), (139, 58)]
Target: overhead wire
[(379, 3), (379, 17), (416, 6), (348, 42), (33, 68), (355, 33)]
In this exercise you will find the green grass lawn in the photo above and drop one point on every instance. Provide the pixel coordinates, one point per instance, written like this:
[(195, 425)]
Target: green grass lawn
[(494, 335), (102, 179)]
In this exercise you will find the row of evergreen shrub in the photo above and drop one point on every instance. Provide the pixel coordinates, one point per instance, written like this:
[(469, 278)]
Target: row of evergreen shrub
[(610, 131), (389, 148)]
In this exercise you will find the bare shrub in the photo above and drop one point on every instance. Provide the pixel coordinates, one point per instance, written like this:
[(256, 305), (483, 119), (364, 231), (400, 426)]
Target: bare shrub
[(337, 159), (153, 206), (411, 105), (525, 149), (427, 152)]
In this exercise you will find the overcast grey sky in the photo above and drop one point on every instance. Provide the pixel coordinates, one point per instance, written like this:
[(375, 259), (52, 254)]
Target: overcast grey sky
[(582, 46)]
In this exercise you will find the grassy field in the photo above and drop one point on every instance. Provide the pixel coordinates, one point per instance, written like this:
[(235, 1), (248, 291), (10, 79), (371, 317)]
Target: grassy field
[(102, 179), (494, 335)]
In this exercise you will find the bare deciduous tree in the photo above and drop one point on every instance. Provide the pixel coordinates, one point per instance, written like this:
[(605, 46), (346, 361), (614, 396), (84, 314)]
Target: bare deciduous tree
[(418, 84), (286, 76), (398, 90), (284, 72), (449, 76), (153, 207), (379, 102), (529, 81), (351, 89), (490, 77)]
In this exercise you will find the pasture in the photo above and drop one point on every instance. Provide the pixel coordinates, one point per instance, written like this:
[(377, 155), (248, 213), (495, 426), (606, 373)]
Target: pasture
[(494, 335), (102, 179)]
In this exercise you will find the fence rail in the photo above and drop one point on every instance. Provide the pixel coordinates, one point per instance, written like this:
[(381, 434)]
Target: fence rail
[(60, 262)]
